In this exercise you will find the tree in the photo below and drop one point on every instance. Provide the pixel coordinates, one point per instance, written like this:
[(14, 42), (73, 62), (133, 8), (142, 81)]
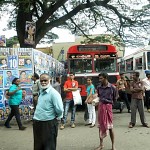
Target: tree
[(129, 19), (11, 41)]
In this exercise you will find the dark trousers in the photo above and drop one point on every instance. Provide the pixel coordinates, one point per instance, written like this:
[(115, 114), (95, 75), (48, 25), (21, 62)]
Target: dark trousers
[(147, 96), (124, 97), (14, 112), (45, 134), (137, 104)]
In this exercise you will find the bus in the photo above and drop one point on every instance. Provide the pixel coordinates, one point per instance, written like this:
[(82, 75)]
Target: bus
[(137, 61), (90, 60)]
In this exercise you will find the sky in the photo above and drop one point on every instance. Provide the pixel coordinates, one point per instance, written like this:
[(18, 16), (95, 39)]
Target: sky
[(59, 32)]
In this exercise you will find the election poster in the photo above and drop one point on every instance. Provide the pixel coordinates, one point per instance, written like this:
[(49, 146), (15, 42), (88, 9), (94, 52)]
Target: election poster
[(25, 58), (3, 62), (30, 31), (1, 79), (25, 77), (8, 76)]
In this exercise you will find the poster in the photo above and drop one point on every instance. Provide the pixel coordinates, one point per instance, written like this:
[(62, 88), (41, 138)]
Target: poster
[(30, 30), (12, 62), (1, 79), (3, 62), (2, 41), (8, 76), (25, 77), (25, 58)]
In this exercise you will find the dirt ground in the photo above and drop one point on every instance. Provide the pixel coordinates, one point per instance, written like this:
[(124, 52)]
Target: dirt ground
[(81, 137)]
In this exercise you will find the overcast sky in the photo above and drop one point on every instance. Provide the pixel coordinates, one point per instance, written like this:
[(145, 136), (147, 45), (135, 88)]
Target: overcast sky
[(60, 32)]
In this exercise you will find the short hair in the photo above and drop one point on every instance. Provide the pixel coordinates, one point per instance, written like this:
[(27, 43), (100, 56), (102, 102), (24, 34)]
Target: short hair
[(90, 78), (137, 74), (104, 75), (14, 80), (36, 75), (46, 75), (72, 73), (57, 79)]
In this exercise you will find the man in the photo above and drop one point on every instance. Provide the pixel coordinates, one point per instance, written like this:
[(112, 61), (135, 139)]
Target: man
[(107, 93), (35, 88), (121, 86), (45, 120), (69, 86), (146, 82), (137, 102), (57, 85)]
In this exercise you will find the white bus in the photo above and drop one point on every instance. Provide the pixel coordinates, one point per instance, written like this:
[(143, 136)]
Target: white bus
[(137, 61)]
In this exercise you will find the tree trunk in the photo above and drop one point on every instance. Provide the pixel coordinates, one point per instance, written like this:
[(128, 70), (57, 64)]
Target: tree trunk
[(23, 15)]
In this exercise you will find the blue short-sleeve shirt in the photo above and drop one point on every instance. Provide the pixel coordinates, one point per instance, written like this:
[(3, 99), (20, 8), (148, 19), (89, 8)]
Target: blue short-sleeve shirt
[(16, 98), (89, 88)]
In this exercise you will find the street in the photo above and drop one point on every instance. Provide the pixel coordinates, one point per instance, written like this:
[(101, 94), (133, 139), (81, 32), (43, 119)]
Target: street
[(82, 137)]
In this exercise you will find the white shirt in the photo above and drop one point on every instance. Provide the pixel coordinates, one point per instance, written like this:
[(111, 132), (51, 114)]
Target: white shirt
[(146, 82)]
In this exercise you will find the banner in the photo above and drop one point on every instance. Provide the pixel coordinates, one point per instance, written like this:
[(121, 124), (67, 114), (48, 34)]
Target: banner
[(30, 30)]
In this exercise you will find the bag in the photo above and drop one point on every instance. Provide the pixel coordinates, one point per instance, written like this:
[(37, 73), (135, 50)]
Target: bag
[(91, 98), (95, 101), (77, 97)]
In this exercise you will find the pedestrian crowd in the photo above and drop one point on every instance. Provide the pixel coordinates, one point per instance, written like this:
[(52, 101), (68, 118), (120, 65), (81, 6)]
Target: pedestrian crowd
[(50, 108)]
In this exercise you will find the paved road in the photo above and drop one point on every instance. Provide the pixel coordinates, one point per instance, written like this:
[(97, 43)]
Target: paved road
[(81, 137)]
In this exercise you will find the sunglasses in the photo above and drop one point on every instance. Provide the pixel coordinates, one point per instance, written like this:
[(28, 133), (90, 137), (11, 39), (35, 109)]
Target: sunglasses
[(43, 80)]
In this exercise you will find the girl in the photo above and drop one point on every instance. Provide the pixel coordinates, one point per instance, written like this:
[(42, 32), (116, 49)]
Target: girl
[(91, 109)]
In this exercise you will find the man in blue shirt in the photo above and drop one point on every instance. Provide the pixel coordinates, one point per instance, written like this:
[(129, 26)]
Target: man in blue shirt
[(45, 121)]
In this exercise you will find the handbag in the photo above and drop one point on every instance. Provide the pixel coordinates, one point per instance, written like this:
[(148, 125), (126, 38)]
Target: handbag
[(91, 98)]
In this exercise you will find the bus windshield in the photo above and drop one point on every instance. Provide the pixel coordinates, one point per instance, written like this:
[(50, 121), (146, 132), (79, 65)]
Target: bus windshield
[(105, 64), (148, 60), (81, 65)]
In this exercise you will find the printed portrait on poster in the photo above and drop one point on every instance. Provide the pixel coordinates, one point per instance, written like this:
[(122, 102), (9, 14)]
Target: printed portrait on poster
[(2, 41), (26, 96), (8, 76), (3, 62), (30, 30), (25, 77), (25, 58)]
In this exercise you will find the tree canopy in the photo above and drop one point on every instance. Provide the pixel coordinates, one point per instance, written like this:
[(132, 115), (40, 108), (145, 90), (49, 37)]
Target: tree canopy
[(128, 19)]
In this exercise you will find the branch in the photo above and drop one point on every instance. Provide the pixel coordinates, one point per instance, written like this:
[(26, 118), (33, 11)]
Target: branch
[(48, 12)]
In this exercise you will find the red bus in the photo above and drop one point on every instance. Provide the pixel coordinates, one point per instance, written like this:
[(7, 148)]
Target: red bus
[(89, 60)]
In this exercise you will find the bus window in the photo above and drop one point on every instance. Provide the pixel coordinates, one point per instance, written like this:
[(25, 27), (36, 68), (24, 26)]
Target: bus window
[(129, 64), (81, 65), (148, 60), (104, 63), (138, 63)]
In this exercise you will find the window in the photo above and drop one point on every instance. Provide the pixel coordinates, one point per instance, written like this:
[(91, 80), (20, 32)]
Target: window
[(107, 64), (81, 65), (138, 63), (148, 60), (129, 64)]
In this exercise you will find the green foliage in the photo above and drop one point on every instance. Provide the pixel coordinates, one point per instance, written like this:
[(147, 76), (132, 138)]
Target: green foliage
[(11, 41), (127, 19)]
